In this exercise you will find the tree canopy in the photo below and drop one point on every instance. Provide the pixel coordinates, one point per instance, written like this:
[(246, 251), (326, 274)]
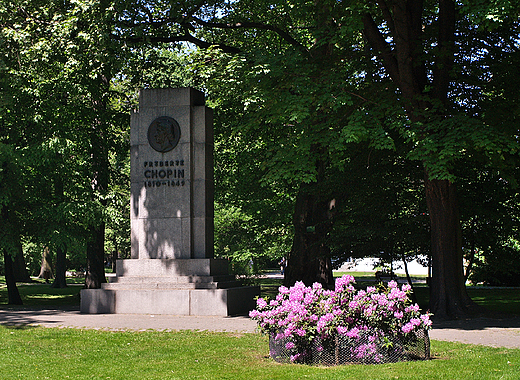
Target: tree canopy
[(373, 122), (323, 74)]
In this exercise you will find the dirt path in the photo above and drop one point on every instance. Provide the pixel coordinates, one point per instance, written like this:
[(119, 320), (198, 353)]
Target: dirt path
[(501, 332)]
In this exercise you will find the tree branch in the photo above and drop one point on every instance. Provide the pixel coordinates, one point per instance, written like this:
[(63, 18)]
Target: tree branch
[(377, 41), (444, 58), (253, 25), (387, 15), (182, 38)]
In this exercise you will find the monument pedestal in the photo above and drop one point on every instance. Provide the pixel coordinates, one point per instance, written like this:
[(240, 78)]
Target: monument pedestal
[(172, 269), (171, 286)]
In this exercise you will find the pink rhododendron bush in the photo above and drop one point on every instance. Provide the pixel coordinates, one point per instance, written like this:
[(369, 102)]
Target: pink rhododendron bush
[(318, 326)]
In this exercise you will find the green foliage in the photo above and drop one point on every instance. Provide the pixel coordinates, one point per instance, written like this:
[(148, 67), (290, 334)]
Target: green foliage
[(489, 213), (64, 123), (499, 267), (379, 213), (298, 94), (248, 241)]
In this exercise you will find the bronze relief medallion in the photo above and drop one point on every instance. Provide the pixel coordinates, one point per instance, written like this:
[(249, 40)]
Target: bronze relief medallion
[(164, 134)]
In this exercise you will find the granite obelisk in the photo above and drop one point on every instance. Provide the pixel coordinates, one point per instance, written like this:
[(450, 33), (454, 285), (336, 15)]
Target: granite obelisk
[(172, 269)]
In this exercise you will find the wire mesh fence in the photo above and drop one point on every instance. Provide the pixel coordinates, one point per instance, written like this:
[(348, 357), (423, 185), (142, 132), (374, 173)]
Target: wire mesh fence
[(367, 348)]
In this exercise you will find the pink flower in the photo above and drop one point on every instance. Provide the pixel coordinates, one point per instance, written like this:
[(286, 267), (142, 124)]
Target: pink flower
[(261, 303), (392, 284), (368, 312), (283, 290), (426, 320), (289, 345), (345, 280), (398, 314), (353, 333), (254, 314), (308, 299), (411, 308), (407, 328), (328, 317), (406, 288)]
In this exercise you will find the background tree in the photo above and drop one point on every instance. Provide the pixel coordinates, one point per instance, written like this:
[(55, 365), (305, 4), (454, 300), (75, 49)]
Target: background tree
[(58, 60), (311, 62)]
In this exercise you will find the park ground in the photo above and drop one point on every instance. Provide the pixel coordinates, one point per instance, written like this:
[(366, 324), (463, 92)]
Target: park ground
[(49, 338)]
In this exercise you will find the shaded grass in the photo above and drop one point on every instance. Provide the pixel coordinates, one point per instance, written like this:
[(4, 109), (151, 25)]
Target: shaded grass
[(499, 299), (39, 293), (88, 354)]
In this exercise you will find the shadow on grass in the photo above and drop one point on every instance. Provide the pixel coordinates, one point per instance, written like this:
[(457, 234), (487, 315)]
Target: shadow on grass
[(19, 327), (39, 294), (20, 316), (479, 323)]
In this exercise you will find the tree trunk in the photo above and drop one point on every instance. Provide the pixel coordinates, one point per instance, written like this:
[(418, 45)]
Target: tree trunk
[(408, 278), (21, 274), (448, 296), (60, 281), (95, 275), (309, 259), (115, 255), (13, 296), (46, 267), (472, 253)]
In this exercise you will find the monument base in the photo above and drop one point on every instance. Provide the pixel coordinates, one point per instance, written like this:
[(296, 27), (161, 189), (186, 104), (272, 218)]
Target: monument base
[(171, 286)]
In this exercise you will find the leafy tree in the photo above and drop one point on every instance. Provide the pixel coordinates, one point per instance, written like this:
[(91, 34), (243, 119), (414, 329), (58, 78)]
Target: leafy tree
[(489, 214), (382, 212), (10, 229), (59, 61), (327, 73)]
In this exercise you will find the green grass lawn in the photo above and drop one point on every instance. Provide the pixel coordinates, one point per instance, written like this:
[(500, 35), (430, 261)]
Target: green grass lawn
[(51, 353)]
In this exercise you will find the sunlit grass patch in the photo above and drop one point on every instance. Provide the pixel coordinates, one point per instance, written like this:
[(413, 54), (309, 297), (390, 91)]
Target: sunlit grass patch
[(30, 353)]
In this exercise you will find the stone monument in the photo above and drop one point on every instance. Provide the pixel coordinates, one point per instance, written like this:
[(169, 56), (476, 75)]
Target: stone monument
[(172, 269)]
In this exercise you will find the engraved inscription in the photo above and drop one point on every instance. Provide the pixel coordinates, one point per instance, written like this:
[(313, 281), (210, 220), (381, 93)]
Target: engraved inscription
[(170, 173)]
